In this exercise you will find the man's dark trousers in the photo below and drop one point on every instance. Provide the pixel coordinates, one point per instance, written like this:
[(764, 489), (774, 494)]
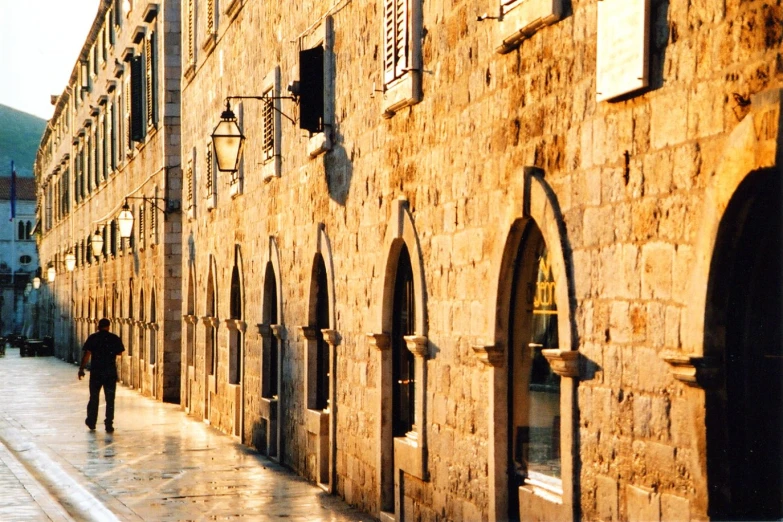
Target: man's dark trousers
[(109, 385)]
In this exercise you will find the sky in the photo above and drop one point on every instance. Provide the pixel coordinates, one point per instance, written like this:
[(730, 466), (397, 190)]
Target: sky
[(40, 41)]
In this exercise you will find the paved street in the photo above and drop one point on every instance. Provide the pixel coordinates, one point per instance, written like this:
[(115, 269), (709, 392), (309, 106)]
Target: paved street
[(159, 465)]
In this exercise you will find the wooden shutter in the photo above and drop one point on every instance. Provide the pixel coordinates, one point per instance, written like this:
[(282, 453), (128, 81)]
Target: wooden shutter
[(210, 17), (138, 128), (210, 181), (396, 35), (311, 100), (191, 33), (268, 118)]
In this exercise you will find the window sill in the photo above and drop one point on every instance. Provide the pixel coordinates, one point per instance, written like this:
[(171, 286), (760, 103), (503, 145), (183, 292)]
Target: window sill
[(524, 19), (271, 169), (268, 408), (402, 92), (189, 72), (317, 422), (211, 202), (319, 143), (235, 189), (210, 43), (409, 457)]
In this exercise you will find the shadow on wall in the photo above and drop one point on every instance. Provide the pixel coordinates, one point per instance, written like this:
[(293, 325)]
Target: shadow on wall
[(338, 167)]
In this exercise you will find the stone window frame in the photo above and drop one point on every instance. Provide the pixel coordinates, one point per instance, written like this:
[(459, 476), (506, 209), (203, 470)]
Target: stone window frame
[(323, 36), (271, 406), (538, 204), (272, 165), (409, 451), (322, 423), (189, 35), (212, 24), (190, 185), (518, 20), (402, 85), (210, 177)]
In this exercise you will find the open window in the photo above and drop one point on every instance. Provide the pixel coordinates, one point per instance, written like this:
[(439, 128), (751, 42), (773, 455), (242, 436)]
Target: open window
[(315, 87)]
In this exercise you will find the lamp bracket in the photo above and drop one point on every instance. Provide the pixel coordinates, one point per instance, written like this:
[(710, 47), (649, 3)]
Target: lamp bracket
[(170, 206), (268, 101)]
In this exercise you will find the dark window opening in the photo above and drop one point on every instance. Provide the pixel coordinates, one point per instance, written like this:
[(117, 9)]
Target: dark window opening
[(322, 323), (311, 97), (403, 323)]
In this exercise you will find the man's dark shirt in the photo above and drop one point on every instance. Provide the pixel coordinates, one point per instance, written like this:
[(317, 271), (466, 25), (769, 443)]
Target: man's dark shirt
[(104, 347)]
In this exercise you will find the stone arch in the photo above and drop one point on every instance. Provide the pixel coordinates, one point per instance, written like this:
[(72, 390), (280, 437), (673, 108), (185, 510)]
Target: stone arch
[(743, 336), (324, 248), (272, 256), (400, 231), (539, 209), (753, 145)]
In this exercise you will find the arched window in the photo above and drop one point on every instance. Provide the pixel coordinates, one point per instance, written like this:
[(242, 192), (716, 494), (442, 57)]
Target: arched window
[(211, 331), (534, 419), (28, 230), (321, 323), (153, 357), (20, 233), (269, 384), (235, 335), (403, 380)]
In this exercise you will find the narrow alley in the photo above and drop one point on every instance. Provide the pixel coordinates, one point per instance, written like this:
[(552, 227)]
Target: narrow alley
[(159, 465)]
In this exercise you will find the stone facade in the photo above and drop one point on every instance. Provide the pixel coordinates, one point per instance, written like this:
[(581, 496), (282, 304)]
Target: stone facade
[(114, 138), (459, 287)]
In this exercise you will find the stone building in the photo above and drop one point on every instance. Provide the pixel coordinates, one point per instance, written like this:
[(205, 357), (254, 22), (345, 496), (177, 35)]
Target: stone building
[(114, 140), (18, 253), (480, 259)]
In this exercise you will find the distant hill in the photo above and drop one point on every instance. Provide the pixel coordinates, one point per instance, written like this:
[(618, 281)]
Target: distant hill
[(20, 135)]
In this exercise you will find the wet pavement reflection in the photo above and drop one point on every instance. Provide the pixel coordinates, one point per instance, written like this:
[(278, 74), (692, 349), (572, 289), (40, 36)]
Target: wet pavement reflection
[(159, 464)]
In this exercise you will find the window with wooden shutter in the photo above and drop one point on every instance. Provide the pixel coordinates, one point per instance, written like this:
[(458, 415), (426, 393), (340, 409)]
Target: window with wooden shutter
[(153, 223), (189, 184), (209, 178), (142, 223), (127, 98), (151, 79), (137, 94), (190, 33), (268, 119), (396, 39), (402, 34), (210, 17)]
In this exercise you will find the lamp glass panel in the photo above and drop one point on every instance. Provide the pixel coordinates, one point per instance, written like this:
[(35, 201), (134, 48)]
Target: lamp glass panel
[(97, 245), (125, 221), (227, 140), (50, 274)]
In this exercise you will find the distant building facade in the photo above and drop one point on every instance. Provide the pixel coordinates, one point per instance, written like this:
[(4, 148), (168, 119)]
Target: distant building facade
[(18, 251), (114, 139), (521, 265)]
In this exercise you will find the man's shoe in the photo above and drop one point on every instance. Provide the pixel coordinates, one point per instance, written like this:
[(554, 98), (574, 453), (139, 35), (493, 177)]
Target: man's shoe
[(109, 429), (91, 426)]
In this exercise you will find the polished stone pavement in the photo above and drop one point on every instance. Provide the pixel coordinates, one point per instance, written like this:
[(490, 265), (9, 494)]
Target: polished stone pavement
[(159, 464)]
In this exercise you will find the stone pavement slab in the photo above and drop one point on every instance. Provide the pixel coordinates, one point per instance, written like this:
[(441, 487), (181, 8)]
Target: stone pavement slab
[(159, 465), (22, 498)]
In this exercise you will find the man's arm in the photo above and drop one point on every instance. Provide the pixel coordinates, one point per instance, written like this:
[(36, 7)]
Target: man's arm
[(85, 360)]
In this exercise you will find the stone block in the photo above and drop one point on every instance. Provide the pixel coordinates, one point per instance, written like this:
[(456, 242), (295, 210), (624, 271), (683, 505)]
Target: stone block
[(642, 505), (607, 498), (657, 261), (674, 508)]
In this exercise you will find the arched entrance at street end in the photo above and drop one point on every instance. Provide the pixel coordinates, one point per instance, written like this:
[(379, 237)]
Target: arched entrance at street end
[(743, 328)]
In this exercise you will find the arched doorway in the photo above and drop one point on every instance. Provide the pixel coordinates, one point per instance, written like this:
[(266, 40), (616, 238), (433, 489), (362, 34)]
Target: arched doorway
[(210, 345), (743, 328), (534, 389), (271, 413)]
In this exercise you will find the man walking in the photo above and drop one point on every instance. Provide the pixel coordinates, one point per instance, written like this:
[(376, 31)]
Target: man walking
[(103, 347)]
